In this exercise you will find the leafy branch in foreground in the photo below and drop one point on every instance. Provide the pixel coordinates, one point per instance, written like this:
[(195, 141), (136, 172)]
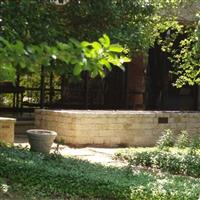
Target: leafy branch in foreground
[(95, 57)]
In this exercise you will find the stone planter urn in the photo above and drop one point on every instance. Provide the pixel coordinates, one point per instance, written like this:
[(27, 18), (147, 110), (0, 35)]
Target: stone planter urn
[(41, 140)]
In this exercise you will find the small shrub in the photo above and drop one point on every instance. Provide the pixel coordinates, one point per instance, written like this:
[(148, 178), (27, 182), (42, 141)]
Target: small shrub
[(183, 140), (194, 146), (166, 140), (175, 163)]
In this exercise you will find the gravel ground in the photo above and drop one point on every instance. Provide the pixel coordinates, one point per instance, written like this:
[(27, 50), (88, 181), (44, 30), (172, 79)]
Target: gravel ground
[(92, 154)]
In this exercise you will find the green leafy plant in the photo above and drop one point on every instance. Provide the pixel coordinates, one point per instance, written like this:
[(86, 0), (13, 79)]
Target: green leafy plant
[(183, 140), (194, 145), (183, 48), (166, 140), (173, 162)]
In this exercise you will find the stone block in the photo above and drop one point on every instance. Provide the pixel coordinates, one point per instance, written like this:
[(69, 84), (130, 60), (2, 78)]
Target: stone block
[(192, 125), (181, 126)]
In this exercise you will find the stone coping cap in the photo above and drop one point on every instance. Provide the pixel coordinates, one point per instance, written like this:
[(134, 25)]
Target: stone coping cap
[(114, 111), (7, 119)]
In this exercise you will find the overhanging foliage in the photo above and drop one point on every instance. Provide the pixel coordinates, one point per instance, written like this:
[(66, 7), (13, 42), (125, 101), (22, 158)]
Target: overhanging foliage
[(134, 24), (96, 57)]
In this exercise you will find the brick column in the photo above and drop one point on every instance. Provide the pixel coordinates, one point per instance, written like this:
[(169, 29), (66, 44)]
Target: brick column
[(136, 82)]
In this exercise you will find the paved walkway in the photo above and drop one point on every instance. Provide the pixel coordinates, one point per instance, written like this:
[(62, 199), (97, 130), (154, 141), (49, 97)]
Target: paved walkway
[(94, 155)]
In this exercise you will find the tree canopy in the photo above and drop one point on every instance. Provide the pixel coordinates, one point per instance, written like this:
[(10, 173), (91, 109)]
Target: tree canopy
[(136, 25), (127, 22)]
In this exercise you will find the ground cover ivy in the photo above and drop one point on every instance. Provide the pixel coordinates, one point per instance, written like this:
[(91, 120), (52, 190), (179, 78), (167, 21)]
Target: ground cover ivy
[(58, 177)]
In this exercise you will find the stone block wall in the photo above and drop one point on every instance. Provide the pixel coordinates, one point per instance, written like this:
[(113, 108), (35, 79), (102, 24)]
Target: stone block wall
[(115, 128), (7, 126)]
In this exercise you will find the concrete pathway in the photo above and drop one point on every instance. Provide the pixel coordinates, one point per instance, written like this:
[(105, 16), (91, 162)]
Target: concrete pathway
[(94, 155)]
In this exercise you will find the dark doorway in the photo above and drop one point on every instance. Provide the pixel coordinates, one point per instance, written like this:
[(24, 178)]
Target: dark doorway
[(162, 94)]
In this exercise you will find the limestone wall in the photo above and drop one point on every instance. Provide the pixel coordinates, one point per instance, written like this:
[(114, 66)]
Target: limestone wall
[(7, 130), (115, 128)]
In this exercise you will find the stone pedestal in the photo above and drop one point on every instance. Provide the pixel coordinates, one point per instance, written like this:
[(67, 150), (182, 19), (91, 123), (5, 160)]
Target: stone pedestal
[(7, 127)]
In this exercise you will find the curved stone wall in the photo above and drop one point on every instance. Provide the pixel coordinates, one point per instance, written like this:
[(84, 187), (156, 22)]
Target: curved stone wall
[(115, 128)]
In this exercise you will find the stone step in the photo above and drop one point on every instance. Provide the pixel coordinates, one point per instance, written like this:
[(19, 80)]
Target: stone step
[(22, 126), (21, 139)]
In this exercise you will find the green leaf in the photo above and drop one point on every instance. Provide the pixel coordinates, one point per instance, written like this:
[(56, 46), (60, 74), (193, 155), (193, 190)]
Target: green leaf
[(63, 46), (22, 64), (75, 42), (101, 73), (122, 67), (97, 46), (105, 63), (116, 48), (94, 73), (19, 46), (77, 70), (105, 41), (5, 42), (85, 44), (124, 59), (8, 73)]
